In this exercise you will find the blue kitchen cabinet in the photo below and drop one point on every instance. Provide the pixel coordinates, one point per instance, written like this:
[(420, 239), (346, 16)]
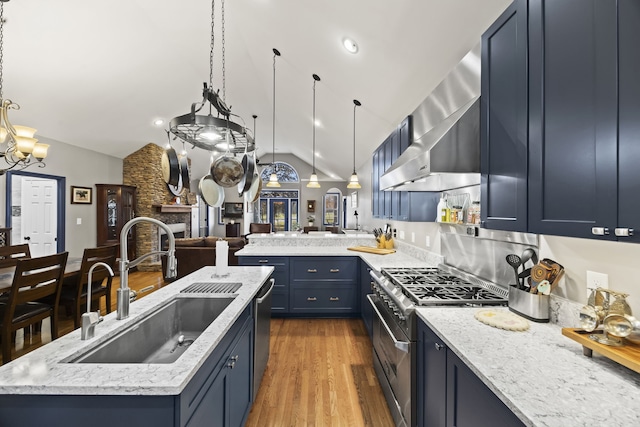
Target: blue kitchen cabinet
[(504, 121), (324, 286), (573, 142), (432, 378), (280, 293), (366, 311), (375, 185), (449, 393)]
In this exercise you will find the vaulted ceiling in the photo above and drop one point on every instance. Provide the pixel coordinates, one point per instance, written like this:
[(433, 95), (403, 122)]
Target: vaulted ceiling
[(97, 74)]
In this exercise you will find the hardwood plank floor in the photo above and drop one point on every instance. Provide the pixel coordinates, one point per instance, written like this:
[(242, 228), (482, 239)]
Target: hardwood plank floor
[(320, 373), (29, 339)]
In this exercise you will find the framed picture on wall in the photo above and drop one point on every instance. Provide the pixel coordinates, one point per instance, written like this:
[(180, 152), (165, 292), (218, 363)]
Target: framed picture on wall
[(81, 195)]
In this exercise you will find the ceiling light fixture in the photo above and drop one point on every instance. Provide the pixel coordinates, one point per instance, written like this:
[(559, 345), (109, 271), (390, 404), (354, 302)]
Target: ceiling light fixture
[(353, 181), (313, 180), (273, 179), (21, 147), (207, 132), (350, 45)]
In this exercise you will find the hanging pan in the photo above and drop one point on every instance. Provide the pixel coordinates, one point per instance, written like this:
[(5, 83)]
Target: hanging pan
[(211, 193), (249, 165), (170, 167), (226, 170), (184, 172)]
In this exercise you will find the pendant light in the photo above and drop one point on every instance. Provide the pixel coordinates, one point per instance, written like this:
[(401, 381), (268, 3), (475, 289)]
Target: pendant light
[(353, 181), (313, 180), (273, 179), (21, 147)]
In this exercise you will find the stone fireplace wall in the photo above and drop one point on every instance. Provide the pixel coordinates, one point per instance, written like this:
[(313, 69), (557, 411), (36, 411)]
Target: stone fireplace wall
[(142, 169)]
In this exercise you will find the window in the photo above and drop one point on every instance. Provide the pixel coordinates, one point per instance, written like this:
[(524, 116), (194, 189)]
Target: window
[(284, 172)]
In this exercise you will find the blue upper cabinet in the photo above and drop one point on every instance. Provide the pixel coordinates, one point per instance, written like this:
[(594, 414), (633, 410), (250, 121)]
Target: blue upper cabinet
[(504, 121), (573, 117), (560, 109)]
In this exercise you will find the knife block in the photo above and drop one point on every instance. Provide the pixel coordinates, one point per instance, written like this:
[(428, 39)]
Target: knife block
[(534, 307)]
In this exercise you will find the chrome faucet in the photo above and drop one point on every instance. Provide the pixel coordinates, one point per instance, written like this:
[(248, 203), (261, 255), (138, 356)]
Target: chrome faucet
[(124, 293), (91, 319)]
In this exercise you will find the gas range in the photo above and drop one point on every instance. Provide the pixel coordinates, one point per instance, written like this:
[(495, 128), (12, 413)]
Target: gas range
[(440, 286)]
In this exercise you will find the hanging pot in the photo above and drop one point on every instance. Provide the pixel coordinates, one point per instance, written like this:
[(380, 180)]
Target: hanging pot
[(249, 165), (257, 195), (184, 172), (211, 193), (226, 171), (250, 195), (170, 167)]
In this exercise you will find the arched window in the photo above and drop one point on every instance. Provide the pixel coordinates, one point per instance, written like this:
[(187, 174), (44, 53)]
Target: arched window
[(284, 171)]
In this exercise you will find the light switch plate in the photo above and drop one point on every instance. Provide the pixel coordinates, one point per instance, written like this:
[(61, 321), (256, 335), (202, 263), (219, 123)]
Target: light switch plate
[(428, 241), (413, 237), (401, 234), (79, 221)]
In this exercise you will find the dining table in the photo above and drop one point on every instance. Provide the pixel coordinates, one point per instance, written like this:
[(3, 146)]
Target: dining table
[(6, 273)]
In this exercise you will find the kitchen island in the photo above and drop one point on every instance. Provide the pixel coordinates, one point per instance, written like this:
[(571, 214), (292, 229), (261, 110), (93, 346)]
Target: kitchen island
[(43, 382)]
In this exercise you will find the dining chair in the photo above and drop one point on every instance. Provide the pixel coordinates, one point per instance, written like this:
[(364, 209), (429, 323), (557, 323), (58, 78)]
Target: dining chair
[(35, 279), (258, 227), (9, 255), (74, 289)]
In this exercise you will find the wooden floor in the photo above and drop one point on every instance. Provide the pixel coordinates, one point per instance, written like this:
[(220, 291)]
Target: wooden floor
[(320, 373), (28, 340)]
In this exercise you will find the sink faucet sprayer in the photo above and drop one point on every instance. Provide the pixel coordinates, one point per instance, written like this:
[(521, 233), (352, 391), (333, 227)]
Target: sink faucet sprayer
[(124, 292), (91, 319)]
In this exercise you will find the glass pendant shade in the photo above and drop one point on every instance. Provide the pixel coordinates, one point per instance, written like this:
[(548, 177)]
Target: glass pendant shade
[(353, 181), (273, 181), (40, 151), (25, 131), (313, 181)]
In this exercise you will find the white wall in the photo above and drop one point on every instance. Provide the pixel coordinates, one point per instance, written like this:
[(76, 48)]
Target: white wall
[(82, 168)]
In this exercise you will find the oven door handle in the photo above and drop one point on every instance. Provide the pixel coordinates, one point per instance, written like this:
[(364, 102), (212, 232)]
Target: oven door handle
[(400, 345)]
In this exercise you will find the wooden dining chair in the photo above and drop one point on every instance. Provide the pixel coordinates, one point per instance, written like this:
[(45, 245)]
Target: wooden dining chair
[(35, 279), (74, 289), (9, 255)]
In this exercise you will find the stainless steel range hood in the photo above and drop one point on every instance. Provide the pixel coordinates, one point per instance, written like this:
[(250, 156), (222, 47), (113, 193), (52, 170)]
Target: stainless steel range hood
[(445, 153)]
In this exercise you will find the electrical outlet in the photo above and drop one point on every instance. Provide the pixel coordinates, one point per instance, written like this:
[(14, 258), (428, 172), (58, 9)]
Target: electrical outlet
[(401, 234), (413, 237), (78, 221), (596, 280), (428, 241)]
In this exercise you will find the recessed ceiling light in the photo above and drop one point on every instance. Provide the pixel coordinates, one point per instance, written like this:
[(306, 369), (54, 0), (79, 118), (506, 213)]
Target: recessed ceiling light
[(350, 45), (158, 122)]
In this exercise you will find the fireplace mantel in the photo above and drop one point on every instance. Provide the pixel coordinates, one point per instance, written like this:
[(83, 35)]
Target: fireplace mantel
[(173, 208)]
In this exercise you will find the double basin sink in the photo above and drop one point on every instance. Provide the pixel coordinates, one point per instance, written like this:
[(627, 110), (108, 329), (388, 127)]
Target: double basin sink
[(161, 337)]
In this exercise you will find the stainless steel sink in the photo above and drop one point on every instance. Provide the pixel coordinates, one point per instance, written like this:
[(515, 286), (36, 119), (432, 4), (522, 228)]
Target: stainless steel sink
[(161, 337)]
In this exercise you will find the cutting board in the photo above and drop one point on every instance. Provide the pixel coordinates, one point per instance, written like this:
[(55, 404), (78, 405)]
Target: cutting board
[(627, 355), (372, 250)]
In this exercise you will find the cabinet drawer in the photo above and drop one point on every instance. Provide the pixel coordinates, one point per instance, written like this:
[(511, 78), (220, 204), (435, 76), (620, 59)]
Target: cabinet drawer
[(264, 260), (337, 297), (324, 268), (279, 301)]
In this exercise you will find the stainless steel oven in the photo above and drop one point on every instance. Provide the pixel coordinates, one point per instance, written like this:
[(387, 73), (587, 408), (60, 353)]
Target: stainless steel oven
[(396, 293)]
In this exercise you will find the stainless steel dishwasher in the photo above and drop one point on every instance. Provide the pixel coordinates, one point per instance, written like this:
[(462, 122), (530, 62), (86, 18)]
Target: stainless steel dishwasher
[(262, 329)]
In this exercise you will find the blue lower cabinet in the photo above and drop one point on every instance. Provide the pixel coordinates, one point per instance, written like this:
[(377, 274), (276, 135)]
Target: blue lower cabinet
[(449, 393), (324, 298), (280, 264)]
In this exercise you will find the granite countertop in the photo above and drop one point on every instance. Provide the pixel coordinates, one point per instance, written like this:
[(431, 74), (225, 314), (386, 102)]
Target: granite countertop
[(42, 372), (541, 375)]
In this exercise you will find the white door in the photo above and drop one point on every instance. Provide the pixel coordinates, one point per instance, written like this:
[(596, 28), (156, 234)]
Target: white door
[(40, 215)]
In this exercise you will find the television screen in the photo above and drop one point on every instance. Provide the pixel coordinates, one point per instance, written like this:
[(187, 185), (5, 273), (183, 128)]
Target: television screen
[(233, 210)]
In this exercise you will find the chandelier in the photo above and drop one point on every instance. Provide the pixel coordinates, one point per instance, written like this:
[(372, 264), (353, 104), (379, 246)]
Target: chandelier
[(18, 147), (213, 132)]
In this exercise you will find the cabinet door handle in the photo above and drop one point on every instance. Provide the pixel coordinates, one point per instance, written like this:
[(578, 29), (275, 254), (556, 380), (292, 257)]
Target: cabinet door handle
[(623, 232), (335, 270), (439, 346), (334, 298), (600, 231), (232, 363), (312, 299), (263, 261), (312, 270)]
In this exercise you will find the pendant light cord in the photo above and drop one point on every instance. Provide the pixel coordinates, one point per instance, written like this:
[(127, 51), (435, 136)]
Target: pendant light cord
[(1, 47), (356, 104), (211, 46), (224, 80), (313, 149), (273, 128)]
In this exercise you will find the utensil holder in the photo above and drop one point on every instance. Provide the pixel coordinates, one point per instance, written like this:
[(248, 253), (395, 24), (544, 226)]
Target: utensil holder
[(388, 244), (534, 307)]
